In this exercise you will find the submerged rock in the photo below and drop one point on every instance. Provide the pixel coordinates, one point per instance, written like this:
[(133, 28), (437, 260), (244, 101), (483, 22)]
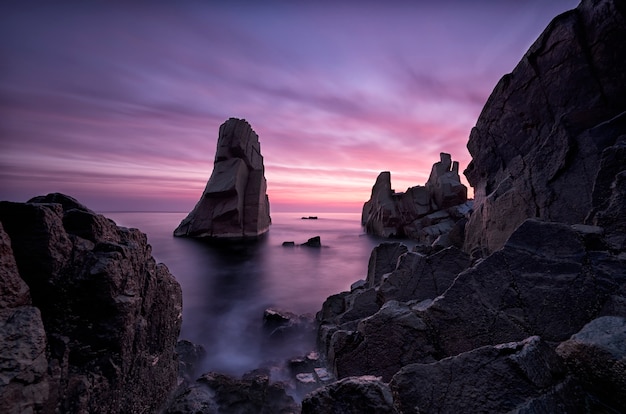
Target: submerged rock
[(234, 204), (101, 331)]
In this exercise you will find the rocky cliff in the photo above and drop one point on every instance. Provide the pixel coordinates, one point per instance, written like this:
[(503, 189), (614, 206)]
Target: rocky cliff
[(529, 315), (88, 320), (422, 213), (550, 139), (234, 203)]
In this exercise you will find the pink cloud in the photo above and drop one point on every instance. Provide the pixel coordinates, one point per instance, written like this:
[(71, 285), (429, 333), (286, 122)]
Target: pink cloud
[(121, 104)]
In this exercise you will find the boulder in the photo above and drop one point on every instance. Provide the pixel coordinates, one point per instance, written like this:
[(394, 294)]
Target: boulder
[(356, 395), (234, 204), (219, 393), (383, 259), (537, 147), (517, 377), (597, 357), (421, 213), (100, 335), (419, 277)]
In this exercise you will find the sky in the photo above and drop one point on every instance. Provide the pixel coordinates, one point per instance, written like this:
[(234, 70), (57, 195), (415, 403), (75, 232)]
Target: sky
[(118, 104)]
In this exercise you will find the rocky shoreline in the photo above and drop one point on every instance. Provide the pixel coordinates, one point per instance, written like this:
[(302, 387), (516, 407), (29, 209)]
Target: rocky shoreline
[(520, 308)]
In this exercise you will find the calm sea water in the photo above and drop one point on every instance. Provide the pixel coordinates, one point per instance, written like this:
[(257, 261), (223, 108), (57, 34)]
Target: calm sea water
[(226, 289)]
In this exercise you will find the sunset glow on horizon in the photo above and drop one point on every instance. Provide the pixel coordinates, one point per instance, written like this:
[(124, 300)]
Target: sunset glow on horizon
[(119, 105)]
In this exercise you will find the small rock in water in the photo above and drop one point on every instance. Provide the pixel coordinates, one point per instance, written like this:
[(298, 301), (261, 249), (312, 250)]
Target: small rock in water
[(313, 242), (289, 244)]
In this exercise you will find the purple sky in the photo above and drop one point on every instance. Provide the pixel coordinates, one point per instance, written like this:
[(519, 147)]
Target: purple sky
[(119, 105)]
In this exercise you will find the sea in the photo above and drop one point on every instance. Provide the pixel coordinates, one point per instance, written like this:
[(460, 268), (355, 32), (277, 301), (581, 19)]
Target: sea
[(226, 288)]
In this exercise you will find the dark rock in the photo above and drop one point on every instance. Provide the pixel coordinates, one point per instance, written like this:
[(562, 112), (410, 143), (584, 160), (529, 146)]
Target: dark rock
[(357, 395), (24, 382), (383, 259), (382, 343), (234, 204), (110, 316), (516, 377), (420, 213), (289, 244), (543, 282), (220, 393), (419, 277), (280, 325), (13, 290), (190, 356), (597, 357), (444, 183), (538, 143), (313, 242)]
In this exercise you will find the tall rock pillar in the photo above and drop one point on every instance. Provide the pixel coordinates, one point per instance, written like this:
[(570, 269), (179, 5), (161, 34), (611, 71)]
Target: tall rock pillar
[(234, 203)]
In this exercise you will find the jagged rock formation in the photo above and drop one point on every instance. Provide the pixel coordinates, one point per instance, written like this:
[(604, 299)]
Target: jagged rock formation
[(234, 203), (550, 139), (422, 213), (543, 265), (88, 320)]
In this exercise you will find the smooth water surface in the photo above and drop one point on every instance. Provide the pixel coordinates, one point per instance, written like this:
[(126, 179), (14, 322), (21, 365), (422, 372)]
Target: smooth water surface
[(227, 288)]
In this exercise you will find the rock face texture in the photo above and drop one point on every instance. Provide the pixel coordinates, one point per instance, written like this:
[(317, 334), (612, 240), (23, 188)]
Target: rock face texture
[(423, 213), (234, 204), (516, 377), (550, 139), (88, 320), (527, 314)]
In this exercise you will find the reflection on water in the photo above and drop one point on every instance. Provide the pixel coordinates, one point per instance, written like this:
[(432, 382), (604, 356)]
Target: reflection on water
[(226, 288)]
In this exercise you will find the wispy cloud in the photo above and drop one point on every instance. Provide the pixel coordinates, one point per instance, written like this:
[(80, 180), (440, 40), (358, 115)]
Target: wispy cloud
[(121, 103)]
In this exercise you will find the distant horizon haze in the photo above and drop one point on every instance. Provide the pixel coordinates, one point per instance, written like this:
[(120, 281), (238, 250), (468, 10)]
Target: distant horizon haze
[(119, 104)]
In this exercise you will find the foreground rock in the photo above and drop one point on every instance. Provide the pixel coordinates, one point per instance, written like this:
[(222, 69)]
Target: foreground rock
[(234, 204), (89, 321), (422, 213), (597, 357), (219, 393), (354, 395), (548, 280), (516, 377), (549, 142)]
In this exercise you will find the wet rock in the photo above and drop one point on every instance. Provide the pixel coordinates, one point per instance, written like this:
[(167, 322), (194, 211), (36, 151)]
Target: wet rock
[(220, 393), (190, 356), (234, 204), (356, 395), (313, 242)]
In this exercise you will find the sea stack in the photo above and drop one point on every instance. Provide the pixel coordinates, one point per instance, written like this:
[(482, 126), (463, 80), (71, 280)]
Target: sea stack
[(234, 204), (422, 213)]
